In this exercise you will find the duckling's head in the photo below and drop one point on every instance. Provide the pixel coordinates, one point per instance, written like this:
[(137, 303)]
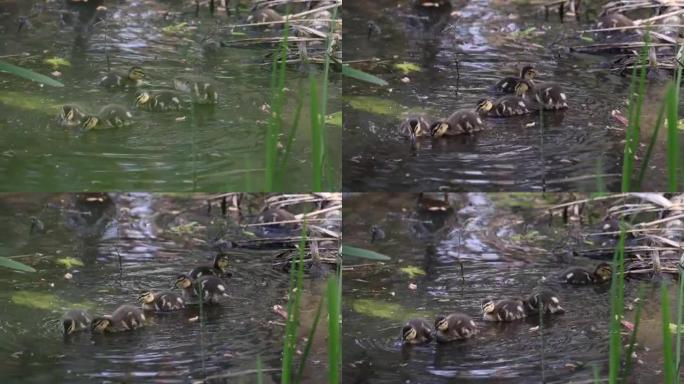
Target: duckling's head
[(136, 73), (439, 128), (528, 72), (146, 297), (221, 262), (484, 106), (522, 87), (408, 333), (68, 112), (441, 324), (142, 98), (603, 272), (183, 84), (183, 281), (90, 122), (488, 306), (69, 326), (100, 324)]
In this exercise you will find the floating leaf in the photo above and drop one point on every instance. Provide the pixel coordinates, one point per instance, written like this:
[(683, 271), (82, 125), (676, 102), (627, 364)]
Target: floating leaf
[(586, 38), (11, 264), (673, 328), (57, 62), (28, 74), (375, 105), (185, 229), (70, 262), (407, 67), (179, 28), (37, 300), (412, 271), (385, 310), (363, 76), (334, 119), (349, 251)]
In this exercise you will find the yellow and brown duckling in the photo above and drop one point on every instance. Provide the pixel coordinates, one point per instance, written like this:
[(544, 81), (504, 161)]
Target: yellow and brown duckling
[(455, 326), (161, 302), (132, 79), (415, 126), (543, 299), (503, 310), (211, 288), (72, 116), (186, 284), (75, 320), (124, 318), (548, 96), (110, 116), (508, 84), (218, 268), (459, 123), (158, 101), (416, 331), (506, 106), (582, 276), (202, 91)]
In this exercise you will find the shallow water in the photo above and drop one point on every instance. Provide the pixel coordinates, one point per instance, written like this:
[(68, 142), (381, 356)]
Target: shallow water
[(493, 245), (209, 148), (124, 251), (580, 149)]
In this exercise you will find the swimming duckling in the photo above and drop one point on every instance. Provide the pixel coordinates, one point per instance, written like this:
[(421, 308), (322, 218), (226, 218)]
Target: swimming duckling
[(211, 288), (549, 302), (110, 116), (549, 95), (186, 283), (75, 320), (581, 276), (503, 107), (161, 302), (415, 126), (219, 268), (158, 101), (202, 91), (124, 318), (508, 84), (456, 326), (503, 310), (416, 331), (131, 79), (71, 116), (460, 122)]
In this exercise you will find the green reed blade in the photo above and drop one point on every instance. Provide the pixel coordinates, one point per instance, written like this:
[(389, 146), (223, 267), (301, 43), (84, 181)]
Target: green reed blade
[(651, 145), (363, 76), (672, 111), (309, 341), (28, 74), (11, 264), (632, 337), (668, 360), (334, 336), (616, 308), (678, 337), (316, 137)]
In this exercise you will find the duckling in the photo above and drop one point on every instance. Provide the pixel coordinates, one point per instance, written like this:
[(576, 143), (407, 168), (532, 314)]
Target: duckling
[(415, 126), (503, 310), (211, 288), (581, 276), (71, 116), (124, 318), (161, 302), (264, 15), (416, 331), (132, 79), (460, 122), (75, 320), (455, 326), (503, 107), (219, 268), (158, 101), (110, 116), (186, 283), (508, 84), (549, 302), (202, 91), (614, 20), (549, 95)]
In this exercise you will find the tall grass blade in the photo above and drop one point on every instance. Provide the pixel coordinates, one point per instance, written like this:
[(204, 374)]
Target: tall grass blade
[(651, 145), (672, 138), (334, 332), (349, 251), (668, 360), (28, 74), (11, 264), (293, 308), (632, 337), (616, 309), (363, 76), (317, 126), (259, 369), (678, 335), (309, 342)]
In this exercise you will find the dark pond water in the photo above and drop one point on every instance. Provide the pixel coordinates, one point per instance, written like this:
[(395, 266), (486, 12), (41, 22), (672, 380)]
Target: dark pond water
[(201, 148), (504, 251), (580, 149), (138, 244)]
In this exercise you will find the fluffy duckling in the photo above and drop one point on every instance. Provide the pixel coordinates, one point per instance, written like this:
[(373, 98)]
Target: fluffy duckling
[(75, 320), (549, 95), (211, 288), (124, 318), (71, 116), (202, 91), (503, 310), (186, 284), (161, 302), (415, 126), (581, 276), (460, 122), (158, 101), (416, 331), (131, 79), (219, 268), (549, 302), (110, 116), (455, 326), (508, 84), (503, 107)]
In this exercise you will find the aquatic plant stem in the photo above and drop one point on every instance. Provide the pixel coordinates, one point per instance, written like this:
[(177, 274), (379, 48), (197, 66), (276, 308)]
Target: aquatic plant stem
[(668, 360), (309, 342), (260, 373), (293, 309), (334, 292), (678, 336), (616, 308), (632, 338)]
